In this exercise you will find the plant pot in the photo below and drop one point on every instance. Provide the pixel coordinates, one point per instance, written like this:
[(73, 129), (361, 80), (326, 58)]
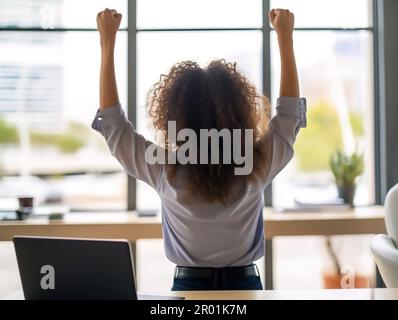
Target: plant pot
[(333, 281), (347, 193)]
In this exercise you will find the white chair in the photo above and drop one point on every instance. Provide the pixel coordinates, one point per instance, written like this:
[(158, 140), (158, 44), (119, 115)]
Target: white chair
[(384, 247), (391, 211)]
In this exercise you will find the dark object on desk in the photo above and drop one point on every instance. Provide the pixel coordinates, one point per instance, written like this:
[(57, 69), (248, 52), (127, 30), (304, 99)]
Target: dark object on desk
[(25, 207), (25, 202), (23, 214), (55, 216), (147, 213), (47, 273)]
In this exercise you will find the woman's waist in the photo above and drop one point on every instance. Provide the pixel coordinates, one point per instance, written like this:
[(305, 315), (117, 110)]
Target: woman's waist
[(204, 273)]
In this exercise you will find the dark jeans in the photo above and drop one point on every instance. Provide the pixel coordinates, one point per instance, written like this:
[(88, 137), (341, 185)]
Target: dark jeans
[(192, 284)]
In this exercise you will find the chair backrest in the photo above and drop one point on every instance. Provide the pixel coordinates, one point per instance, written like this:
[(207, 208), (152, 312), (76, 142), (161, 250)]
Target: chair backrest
[(386, 256), (391, 213)]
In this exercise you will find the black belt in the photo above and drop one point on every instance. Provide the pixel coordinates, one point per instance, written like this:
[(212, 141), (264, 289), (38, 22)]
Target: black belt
[(212, 273)]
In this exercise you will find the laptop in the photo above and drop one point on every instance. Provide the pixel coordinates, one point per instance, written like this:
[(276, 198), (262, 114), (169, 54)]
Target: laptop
[(78, 269)]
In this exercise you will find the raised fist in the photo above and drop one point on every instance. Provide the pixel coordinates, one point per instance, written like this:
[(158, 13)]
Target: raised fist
[(282, 21), (108, 23)]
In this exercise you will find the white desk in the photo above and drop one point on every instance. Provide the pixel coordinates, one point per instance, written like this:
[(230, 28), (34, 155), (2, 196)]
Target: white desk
[(127, 225), (340, 294), (353, 294)]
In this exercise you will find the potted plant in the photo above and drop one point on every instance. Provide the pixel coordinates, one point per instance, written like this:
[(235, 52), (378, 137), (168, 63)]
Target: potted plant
[(346, 169)]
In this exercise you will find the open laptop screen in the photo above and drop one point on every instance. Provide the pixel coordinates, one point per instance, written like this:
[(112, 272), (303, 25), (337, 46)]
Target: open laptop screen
[(67, 268)]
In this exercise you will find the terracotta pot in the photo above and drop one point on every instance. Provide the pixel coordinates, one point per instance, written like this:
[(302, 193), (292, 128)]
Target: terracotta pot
[(333, 281)]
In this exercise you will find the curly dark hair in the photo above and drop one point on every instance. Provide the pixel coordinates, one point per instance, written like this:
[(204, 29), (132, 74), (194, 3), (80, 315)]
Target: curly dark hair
[(215, 97)]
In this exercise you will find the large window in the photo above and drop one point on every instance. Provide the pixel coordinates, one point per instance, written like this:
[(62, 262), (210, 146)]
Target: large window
[(171, 31), (334, 50), (49, 67)]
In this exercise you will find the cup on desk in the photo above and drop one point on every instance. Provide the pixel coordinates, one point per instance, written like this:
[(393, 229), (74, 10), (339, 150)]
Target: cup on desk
[(25, 207)]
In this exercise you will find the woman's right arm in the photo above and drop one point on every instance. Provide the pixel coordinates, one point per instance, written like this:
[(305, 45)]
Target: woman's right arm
[(108, 22), (125, 144)]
